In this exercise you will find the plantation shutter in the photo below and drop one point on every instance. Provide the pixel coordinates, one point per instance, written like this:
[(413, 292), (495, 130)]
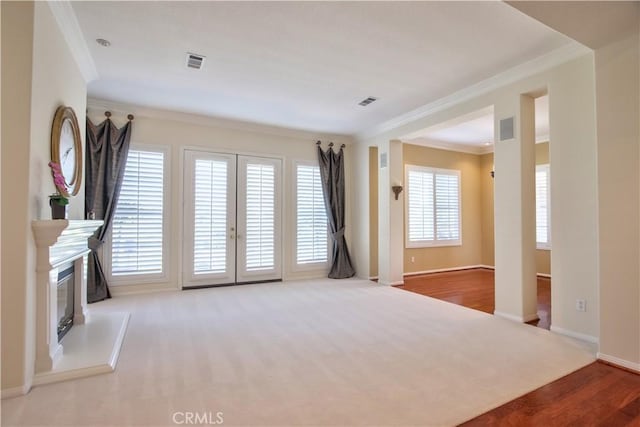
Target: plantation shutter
[(260, 214), (137, 234), (542, 206), (210, 217), (447, 206), (311, 217), (421, 206)]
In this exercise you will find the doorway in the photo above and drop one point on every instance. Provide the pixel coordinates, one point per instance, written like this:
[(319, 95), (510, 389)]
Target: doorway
[(232, 219)]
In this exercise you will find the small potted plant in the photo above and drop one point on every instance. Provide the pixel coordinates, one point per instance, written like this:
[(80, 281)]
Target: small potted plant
[(58, 201)]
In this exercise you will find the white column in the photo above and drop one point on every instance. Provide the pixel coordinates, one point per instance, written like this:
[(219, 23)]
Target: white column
[(360, 214), (390, 214), (515, 240)]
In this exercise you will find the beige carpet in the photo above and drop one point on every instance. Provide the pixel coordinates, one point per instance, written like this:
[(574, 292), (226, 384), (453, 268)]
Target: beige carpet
[(319, 352)]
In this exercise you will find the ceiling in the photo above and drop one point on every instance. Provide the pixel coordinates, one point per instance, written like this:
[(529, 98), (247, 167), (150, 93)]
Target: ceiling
[(303, 65), (474, 132)]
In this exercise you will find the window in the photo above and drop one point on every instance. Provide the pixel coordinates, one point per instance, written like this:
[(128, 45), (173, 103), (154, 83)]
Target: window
[(138, 233), (543, 212), (433, 207), (311, 217)]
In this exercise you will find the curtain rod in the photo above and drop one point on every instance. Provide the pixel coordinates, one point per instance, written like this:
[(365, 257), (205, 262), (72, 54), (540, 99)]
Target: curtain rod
[(330, 144), (108, 114)]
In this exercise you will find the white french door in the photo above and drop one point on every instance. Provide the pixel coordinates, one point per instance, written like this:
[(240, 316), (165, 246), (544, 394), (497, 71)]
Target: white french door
[(209, 219), (232, 218)]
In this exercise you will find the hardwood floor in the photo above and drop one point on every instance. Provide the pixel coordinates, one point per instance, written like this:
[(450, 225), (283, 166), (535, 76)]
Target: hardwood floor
[(596, 395), (474, 289)]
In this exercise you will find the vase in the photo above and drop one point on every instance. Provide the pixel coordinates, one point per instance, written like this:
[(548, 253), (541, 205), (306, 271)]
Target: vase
[(57, 211)]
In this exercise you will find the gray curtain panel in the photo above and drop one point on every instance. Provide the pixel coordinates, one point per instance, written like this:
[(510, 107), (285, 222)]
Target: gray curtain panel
[(332, 176), (106, 156)]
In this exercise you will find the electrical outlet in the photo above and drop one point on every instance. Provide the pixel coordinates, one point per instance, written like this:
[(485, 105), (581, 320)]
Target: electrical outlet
[(413, 259), (581, 305)]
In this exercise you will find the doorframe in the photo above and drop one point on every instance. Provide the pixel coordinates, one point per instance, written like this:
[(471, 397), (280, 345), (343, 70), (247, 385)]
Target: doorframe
[(180, 214)]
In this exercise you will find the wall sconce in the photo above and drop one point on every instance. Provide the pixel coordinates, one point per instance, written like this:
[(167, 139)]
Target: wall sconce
[(397, 189)]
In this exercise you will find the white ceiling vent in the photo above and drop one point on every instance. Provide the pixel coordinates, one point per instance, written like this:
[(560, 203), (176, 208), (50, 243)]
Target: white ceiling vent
[(367, 101), (195, 61)]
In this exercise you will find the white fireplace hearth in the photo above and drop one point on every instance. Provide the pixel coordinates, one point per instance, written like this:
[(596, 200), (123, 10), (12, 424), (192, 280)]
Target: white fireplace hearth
[(93, 343)]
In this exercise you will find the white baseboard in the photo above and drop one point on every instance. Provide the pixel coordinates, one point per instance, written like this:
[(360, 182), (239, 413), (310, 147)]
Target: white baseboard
[(577, 335), (309, 274), (620, 362), (8, 393), (463, 267), (516, 318), (443, 270), (143, 288), (439, 270), (396, 283), (493, 267)]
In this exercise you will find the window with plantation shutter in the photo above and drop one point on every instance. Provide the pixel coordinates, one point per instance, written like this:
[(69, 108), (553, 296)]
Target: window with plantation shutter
[(311, 217), (543, 217), (433, 209), (137, 235)]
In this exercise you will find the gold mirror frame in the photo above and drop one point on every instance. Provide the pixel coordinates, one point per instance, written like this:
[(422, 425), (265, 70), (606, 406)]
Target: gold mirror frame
[(64, 114)]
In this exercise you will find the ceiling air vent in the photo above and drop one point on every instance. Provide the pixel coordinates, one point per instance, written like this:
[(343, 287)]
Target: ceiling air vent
[(195, 61), (367, 101)]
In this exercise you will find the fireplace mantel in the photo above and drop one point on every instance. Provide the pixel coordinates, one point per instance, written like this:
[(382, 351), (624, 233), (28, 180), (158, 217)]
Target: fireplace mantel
[(93, 344), (58, 242), (61, 240)]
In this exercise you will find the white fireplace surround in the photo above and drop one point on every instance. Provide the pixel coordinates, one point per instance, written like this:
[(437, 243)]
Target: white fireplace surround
[(58, 243)]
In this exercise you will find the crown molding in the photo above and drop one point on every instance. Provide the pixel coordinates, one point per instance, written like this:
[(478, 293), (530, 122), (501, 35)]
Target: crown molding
[(450, 146), (211, 121), (70, 28), (542, 63), (462, 148)]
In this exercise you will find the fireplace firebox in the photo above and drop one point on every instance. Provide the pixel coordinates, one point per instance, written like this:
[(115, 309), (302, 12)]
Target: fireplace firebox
[(66, 293)]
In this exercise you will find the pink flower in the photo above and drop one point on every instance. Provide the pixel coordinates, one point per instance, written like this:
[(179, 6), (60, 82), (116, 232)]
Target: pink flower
[(58, 179)]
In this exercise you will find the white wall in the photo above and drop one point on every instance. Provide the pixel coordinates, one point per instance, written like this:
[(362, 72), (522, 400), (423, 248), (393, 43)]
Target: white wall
[(179, 131), (618, 103), (17, 25), (38, 74), (573, 181), (613, 30)]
